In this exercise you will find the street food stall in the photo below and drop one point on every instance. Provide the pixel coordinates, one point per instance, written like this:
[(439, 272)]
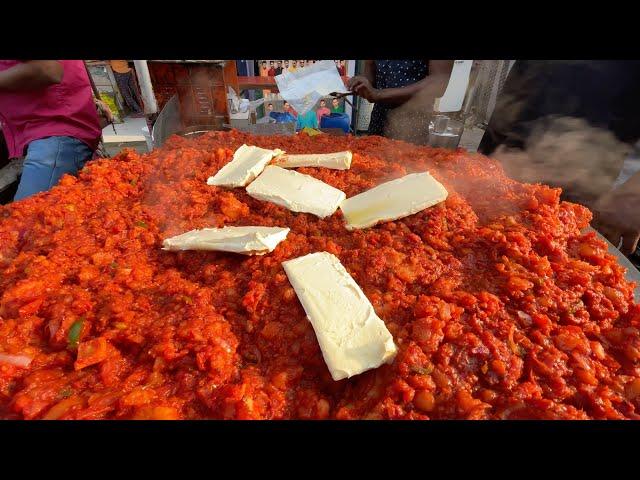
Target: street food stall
[(239, 276), (193, 97)]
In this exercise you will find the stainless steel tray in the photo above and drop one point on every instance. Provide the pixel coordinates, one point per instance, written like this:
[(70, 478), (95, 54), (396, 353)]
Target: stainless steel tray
[(633, 275)]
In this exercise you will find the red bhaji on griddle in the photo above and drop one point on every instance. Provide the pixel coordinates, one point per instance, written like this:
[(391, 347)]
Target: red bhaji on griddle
[(499, 306)]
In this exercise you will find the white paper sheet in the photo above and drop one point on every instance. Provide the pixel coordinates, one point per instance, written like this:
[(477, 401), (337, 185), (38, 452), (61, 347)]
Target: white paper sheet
[(304, 87)]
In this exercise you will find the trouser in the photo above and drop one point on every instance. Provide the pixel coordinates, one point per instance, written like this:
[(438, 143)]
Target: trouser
[(47, 160), (127, 87)]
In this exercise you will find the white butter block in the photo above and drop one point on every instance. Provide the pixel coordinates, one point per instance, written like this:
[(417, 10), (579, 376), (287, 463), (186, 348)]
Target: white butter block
[(247, 163), (353, 339), (336, 161), (245, 240), (296, 191), (393, 200)]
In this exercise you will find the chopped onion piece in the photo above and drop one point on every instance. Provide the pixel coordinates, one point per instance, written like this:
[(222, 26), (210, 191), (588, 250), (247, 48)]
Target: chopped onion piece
[(16, 360), (524, 316)]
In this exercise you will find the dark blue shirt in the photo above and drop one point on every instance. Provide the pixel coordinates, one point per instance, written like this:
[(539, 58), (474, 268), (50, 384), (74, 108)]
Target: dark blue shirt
[(396, 74)]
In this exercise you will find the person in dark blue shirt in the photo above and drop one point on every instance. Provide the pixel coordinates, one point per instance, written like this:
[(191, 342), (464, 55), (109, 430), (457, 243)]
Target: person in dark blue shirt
[(403, 92)]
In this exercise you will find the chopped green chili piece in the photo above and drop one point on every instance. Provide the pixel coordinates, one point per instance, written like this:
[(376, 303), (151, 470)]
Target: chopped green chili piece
[(66, 392), (73, 337)]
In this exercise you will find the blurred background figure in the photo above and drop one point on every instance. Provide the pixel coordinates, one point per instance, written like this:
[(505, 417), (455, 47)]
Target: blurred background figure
[(49, 116), (335, 106), (279, 67), (403, 92), (342, 69), (322, 110), (292, 68), (288, 109), (127, 85), (272, 70), (264, 70)]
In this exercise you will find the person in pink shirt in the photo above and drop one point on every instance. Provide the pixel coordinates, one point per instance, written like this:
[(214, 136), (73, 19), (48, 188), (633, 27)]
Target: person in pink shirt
[(323, 110), (49, 116)]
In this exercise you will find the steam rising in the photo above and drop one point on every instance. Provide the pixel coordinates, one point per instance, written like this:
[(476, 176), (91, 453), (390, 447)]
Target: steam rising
[(556, 119), (560, 148), (568, 153), (410, 121)]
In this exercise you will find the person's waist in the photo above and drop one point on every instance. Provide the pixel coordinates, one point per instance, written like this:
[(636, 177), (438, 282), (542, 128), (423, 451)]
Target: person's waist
[(21, 138), (83, 125)]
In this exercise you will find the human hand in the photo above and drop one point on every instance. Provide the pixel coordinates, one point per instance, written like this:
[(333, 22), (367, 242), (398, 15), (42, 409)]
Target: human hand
[(362, 86), (104, 110)]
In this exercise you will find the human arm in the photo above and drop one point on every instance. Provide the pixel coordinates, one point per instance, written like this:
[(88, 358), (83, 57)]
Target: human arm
[(31, 75), (362, 85)]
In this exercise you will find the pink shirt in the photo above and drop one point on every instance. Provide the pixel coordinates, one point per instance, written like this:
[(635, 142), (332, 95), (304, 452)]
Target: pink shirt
[(321, 112), (65, 109)]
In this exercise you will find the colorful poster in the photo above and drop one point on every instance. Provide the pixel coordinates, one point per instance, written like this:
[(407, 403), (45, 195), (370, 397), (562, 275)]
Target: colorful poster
[(275, 103)]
